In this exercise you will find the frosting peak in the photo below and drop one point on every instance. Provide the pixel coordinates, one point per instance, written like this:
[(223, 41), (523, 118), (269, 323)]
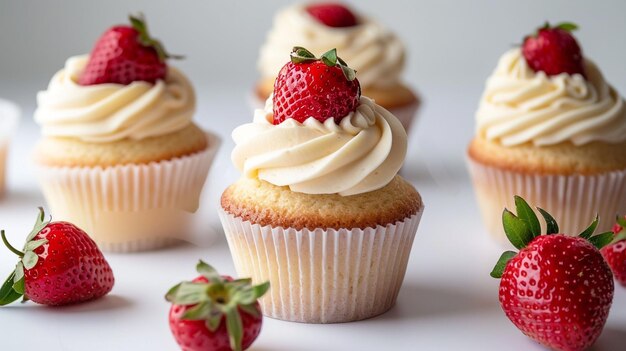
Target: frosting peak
[(522, 106), (360, 154), (374, 51), (110, 112)]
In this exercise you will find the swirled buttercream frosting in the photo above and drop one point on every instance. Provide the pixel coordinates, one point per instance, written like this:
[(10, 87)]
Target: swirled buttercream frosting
[(373, 51), (361, 153), (522, 106), (110, 112)]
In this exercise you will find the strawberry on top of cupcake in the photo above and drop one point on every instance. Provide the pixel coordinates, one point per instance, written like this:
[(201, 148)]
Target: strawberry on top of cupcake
[(123, 90), (550, 128), (120, 154), (320, 191), (547, 92), (374, 51), (370, 48), (317, 134)]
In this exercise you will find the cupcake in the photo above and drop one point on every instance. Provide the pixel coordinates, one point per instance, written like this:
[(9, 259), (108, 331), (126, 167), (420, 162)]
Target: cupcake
[(552, 130), (373, 51), (320, 210), (120, 155), (9, 115)]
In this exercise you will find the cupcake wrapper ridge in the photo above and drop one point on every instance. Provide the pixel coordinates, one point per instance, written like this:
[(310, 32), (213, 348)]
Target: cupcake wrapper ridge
[(573, 200), (130, 207), (323, 276)]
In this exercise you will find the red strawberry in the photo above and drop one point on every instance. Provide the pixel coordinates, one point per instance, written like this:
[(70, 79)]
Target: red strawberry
[(554, 50), (615, 253), (558, 289), (125, 54), (60, 265), (311, 87), (332, 14), (215, 313)]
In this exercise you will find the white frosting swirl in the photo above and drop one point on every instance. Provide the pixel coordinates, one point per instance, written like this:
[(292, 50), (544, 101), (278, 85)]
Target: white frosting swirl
[(109, 112), (373, 51), (360, 154), (521, 106)]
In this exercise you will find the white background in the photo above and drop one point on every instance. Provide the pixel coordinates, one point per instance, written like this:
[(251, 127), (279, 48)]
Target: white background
[(448, 301)]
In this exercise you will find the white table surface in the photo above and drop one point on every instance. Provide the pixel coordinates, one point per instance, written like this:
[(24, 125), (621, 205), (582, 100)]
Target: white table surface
[(447, 302)]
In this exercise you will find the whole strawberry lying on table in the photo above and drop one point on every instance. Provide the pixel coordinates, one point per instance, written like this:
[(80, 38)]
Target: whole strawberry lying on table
[(557, 289), (215, 312), (59, 265), (615, 252)]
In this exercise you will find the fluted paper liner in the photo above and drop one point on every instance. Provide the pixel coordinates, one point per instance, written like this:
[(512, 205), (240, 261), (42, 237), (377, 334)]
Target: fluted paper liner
[(573, 200), (323, 276), (130, 207)]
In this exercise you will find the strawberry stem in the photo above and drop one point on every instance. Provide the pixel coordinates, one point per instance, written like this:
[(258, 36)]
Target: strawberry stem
[(9, 246)]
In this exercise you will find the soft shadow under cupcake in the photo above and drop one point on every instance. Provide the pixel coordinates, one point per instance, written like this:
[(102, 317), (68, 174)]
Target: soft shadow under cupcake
[(424, 301)]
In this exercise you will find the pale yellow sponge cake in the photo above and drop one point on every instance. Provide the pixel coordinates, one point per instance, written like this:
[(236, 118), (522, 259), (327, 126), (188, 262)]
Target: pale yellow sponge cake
[(72, 152), (564, 158), (266, 204)]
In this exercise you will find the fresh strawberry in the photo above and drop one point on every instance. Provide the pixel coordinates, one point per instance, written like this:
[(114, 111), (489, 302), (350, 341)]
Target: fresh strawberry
[(310, 87), (126, 54), (59, 265), (554, 50), (215, 313), (558, 289), (615, 253), (332, 14)]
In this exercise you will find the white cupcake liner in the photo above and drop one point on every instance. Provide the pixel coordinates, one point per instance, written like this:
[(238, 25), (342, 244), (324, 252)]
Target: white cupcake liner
[(9, 117), (323, 276), (572, 200), (130, 208)]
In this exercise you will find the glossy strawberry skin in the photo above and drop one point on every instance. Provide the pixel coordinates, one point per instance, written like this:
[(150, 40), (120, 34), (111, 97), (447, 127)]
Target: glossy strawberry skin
[(333, 15), (118, 57), (194, 335), (558, 290), (615, 256), (553, 51), (315, 90), (70, 269)]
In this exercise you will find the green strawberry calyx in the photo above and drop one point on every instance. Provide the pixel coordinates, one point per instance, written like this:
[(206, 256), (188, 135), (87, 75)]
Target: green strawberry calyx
[(566, 26), (217, 298), (620, 235), (523, 228), (138, 22), (14, 287), (301, 55)]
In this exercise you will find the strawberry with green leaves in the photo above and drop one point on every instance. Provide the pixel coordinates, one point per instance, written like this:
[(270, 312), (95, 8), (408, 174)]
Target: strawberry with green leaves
[(321, 88), (615, 252), (557, 289), (126, 54), (554, 50), (59, 265), (214, 312)]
